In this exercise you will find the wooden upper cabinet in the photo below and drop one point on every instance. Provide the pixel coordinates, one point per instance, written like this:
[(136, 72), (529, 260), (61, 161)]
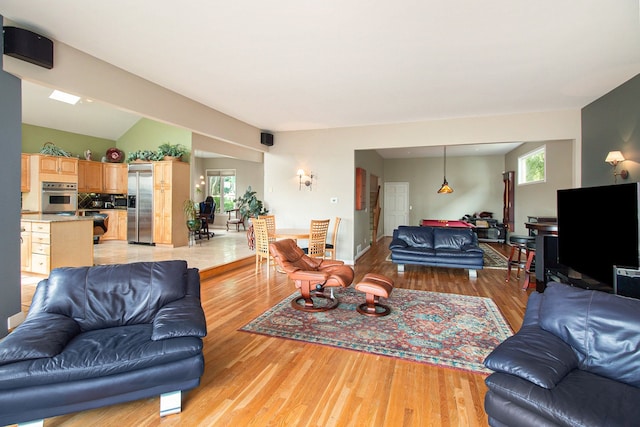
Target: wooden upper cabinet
[(25, 173), (89, 176), (115, 178), (57, 168)]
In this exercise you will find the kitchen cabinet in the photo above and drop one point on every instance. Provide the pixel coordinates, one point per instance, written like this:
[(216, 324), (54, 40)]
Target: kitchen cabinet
[(55, 168), (89, 176), (117, 225), (56, 241), (114, 178), (25, 246), (25, 173), (170, 190)]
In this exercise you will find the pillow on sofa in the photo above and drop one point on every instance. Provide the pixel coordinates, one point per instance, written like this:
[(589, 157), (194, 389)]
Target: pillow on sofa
[(602, 328), (115, 295)]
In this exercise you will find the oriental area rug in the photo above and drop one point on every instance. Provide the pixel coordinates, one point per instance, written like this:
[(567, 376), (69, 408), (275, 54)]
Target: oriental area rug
[(455, 331)]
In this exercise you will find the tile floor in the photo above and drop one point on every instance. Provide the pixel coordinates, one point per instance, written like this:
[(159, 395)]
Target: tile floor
[(224, 247)]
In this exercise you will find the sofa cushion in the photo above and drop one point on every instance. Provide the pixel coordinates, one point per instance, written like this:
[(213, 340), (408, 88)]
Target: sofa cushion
[(100, 353), (602, 328), (114, 295), (451, 238), (417, 237)]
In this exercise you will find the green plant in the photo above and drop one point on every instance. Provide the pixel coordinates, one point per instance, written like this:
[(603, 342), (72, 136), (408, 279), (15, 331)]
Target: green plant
[(249, 205), (191, 213), (189, 209), (49, 148), (146, 155), (173, 150)]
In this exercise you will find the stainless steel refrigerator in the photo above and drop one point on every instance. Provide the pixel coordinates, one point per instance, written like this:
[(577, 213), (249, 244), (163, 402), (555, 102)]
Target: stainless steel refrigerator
[(140, 203)]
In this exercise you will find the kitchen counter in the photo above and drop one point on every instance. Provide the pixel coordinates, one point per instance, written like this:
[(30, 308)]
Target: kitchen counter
[(49, 241), (40, 217)]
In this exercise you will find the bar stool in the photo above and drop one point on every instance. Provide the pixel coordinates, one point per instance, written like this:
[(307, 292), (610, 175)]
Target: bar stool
[(518, 243), (531, 253)]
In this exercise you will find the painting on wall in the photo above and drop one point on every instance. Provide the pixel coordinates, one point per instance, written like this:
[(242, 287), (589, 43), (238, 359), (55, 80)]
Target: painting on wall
[(361, 188)]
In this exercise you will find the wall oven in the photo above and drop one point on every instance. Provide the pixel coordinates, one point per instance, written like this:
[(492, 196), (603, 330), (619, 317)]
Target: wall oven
[(58, 197)]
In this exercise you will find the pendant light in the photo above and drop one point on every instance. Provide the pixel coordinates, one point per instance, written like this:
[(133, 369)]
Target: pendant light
[(445, 189)]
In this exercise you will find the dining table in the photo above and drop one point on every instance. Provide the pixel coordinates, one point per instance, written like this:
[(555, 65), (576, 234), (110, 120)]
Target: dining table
[(291, 233)]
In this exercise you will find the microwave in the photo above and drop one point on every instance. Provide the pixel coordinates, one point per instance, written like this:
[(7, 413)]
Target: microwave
[(120, 201)]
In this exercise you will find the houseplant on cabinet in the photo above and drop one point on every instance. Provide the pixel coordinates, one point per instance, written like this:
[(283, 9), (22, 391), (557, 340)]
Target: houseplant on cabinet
[(169, 151)]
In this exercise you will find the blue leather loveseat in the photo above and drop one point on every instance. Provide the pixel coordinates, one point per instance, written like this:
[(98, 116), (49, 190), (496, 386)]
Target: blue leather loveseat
[(96, 336), (574, 362), (436, 247)]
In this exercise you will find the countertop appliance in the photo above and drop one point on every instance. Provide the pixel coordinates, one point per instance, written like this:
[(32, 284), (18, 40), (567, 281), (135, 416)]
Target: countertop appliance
[(59, 197), (140, 203)]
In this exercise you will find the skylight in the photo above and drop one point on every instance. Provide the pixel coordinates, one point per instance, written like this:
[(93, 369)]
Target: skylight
[(64, 97)]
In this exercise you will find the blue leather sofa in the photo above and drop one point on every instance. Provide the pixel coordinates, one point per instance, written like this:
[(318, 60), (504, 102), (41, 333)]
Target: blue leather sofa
[(97, 336), (436, 247), (574, 362)]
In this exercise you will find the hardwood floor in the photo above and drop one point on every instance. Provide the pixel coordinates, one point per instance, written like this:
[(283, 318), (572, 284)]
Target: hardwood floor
[(254, 380)]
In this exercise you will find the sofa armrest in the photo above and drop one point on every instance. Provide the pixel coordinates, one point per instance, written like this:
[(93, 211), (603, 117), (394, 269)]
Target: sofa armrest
[(180, 318), (534, 355), (397, 243), (42, 335), (471, 248)]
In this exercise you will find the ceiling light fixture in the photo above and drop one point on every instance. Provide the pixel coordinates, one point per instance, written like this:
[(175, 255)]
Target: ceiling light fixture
[(445, 189), (64, 97)]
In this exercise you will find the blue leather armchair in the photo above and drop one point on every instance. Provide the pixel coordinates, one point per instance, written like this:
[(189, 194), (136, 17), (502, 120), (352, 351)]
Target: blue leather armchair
[(96, 336)]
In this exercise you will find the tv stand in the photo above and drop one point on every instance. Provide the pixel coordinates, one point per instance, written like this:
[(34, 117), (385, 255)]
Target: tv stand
[(565, 275)]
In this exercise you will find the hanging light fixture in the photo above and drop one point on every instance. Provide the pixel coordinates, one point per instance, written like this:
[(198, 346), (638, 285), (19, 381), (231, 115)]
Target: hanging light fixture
[(445, 189)]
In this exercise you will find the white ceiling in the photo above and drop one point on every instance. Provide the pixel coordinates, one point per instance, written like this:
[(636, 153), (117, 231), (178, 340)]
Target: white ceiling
[(290, 65)]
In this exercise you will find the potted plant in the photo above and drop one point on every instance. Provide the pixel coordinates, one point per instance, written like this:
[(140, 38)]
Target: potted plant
[(249, 205), (191, 214), (169, 151), (142, 156)]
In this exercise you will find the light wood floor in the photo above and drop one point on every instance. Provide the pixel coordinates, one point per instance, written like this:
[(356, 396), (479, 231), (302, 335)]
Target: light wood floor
[(253, 380)]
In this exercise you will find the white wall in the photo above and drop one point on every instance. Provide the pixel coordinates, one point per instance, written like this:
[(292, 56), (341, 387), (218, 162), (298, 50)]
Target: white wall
[(476, 182), (330, 154)]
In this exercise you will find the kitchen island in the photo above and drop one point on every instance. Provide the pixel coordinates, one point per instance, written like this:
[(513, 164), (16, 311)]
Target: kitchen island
[(51, 241)]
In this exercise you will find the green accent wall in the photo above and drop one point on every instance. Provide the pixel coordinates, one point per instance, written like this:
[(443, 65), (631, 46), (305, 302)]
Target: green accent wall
[(34, 138), (612, 123), (149, 135)]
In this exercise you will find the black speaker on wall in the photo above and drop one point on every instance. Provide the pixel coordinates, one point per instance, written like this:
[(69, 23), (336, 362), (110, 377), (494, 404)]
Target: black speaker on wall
[(28, 46), (266, 139)]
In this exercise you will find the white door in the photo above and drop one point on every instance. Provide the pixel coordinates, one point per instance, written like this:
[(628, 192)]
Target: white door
[(396, 206)]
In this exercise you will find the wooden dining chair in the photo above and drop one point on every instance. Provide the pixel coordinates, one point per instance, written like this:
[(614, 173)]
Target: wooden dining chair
[(271, 224), (262, 244), (331, 247), (317, 238)]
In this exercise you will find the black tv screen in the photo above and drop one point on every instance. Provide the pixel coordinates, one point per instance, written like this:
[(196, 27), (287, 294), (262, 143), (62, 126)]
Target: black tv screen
[(598, 229)]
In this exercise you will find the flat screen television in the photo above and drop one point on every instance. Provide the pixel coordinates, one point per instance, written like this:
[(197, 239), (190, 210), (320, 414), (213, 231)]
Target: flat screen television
[(598, 229)]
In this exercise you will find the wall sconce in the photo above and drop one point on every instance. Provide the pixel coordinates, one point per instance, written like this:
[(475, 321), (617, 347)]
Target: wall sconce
[(613, 158), (305, 179)]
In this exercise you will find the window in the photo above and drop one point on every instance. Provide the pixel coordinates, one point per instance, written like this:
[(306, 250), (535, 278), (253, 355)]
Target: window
[(221, 185), (532, 167)]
